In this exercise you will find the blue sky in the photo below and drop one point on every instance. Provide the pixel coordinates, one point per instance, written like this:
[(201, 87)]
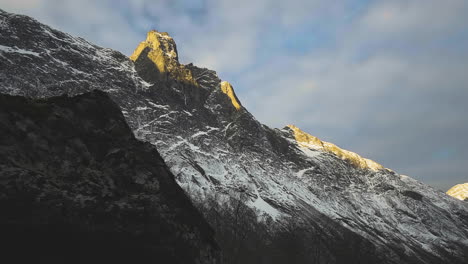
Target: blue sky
[(385, 79)]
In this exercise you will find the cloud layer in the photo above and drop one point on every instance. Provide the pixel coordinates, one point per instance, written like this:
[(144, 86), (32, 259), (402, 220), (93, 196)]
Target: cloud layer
[(386, 79)]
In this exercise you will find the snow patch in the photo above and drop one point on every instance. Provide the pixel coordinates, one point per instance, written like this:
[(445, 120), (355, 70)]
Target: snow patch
[(200, 133), (146, 84), (265, 207), (142, 108), (165, 107), (300, 173), (16, 50), (311, 153)]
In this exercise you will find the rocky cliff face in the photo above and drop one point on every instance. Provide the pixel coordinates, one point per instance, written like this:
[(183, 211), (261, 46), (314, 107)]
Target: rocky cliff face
[(213, 145), (77, 187), (156, 59)]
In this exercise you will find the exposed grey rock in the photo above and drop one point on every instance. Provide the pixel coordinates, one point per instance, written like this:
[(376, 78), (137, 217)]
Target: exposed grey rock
[(213, 147)]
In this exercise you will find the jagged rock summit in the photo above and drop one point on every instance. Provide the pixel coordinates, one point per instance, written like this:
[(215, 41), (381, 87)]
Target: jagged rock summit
[(160, 50), (226, 87), (160, 45), (459, 191), (156, 59), (215, 147)]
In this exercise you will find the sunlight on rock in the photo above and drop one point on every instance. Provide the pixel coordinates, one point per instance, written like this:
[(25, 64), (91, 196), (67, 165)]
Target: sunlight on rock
[(226, 87), (459, 191), (305, 140), (163, 53)]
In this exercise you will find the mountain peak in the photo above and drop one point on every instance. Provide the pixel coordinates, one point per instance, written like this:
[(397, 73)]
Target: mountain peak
[(158, 41), (158, 54), (306, 140), (226, 88), (459, 191), (286, 183)]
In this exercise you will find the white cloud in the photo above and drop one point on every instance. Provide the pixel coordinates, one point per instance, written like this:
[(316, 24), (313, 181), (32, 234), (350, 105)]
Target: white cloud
[(387, 90), (20, 5), (415, 17)]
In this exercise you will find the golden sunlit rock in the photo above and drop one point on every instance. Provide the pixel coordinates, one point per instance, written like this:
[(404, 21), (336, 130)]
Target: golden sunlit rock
[(226, 88), (459, 191), (305, 140), (163, 53)]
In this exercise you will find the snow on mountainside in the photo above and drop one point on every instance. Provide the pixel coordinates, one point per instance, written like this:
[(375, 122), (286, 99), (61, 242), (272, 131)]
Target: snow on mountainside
[(212, 144), (459, 191)]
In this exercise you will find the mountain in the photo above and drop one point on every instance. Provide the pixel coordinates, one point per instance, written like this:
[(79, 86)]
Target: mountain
[(77, 187), (358, 211), (459, 191)]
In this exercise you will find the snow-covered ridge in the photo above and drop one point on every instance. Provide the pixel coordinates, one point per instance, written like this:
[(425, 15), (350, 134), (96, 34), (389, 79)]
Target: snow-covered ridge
[(459, 191), (307, 141)]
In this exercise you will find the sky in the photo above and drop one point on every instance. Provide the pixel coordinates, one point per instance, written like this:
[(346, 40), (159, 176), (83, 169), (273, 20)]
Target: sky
[(386, 79)]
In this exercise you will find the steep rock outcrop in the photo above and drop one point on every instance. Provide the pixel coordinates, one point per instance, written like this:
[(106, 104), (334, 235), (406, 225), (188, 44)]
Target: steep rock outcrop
[(307, 141), (459, 191), (226, 87), (157, 57)]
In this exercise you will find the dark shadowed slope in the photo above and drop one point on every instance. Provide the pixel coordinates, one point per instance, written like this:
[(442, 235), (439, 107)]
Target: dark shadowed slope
[(77, 187)]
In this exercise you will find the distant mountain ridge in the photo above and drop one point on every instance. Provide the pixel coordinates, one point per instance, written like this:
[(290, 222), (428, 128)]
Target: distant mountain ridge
[(310, 142), (213, 145)]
